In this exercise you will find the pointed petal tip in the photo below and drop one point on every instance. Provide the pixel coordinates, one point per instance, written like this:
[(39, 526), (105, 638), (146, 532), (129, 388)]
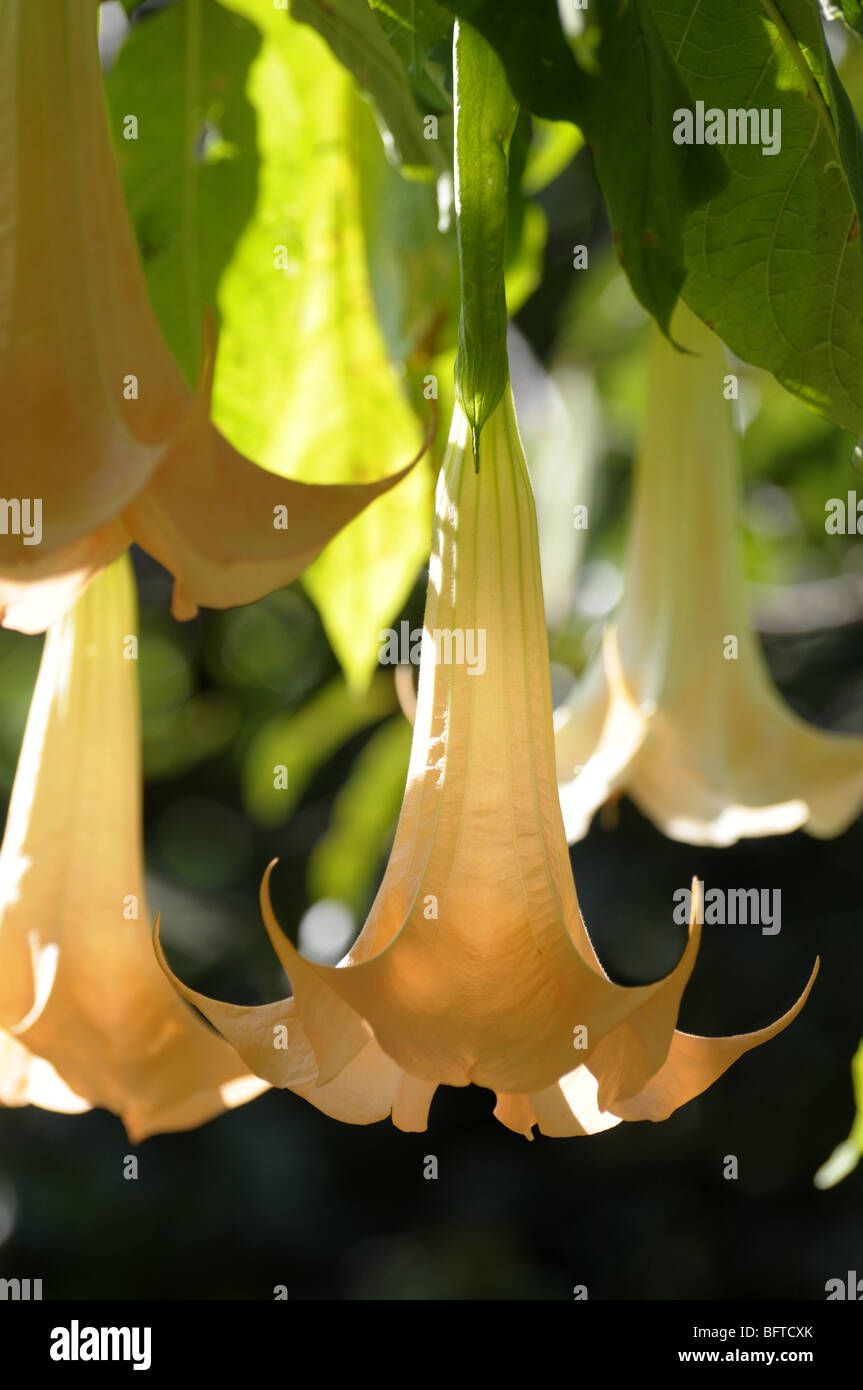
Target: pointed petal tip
[(695, 1062), (516, 1113), (281, 943), (191, 996)]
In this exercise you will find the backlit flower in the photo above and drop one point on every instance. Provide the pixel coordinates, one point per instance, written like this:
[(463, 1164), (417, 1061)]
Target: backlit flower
[(474, 964), (679, 711), (86, 1016), (103, 443)]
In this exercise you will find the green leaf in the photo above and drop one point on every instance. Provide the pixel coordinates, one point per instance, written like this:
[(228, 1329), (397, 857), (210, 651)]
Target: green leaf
[(410, 246), (413, 265), (190, 175), (345, 862), (774, 260), (526, 226), (302, 742), (485, 117), (416, 28), (357, 40), (852, 13), (303, 381), (848, 129), (624, 104)]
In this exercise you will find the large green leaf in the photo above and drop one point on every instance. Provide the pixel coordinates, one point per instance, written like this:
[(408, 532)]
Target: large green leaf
[(852, 12), (413, 265), (624, 105), (303, 380), (421, 33), (774, 259), (190, 174), (414, 27), (358, 41)]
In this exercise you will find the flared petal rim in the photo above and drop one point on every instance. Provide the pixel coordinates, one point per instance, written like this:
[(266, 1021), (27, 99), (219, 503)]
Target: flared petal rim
[(230, 531), (574, 1106)]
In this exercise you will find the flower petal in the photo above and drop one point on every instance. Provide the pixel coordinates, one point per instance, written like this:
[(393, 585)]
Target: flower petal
[(367, 1085), (43, 586), (230, 531), (600, 736), (568, 1108), (29, 1080), (78, 983), (574, 1105), (694, 1063), (214, 520)]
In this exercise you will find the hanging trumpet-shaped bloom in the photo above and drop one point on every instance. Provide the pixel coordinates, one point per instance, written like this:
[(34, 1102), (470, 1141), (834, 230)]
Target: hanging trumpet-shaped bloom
[(103, 443), (474, 964), (679, 710), (86, 1016)]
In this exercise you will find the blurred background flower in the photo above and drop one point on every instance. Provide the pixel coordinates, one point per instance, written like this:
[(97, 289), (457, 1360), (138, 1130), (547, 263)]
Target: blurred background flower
[(678, 710)]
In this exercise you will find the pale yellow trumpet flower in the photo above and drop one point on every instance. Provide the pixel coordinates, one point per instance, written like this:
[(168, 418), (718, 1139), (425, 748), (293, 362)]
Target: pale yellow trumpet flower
[(474, 964), (103, 443), (679, 710), (86, 1016)]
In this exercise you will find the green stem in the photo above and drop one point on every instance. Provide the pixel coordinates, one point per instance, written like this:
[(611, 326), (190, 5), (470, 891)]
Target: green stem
[(485, 115)]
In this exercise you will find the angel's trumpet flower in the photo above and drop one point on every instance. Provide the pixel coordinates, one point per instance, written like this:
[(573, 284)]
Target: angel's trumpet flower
[(679, 711), (474, 964), (103, 443), (86, 1016)]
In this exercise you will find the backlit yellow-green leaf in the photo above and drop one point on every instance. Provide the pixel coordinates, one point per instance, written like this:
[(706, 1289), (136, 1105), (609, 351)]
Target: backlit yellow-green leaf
[(303, 381)]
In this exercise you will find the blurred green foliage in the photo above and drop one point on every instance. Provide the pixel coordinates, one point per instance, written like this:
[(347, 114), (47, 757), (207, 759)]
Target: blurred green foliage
[(288, 749), (345, 862)]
